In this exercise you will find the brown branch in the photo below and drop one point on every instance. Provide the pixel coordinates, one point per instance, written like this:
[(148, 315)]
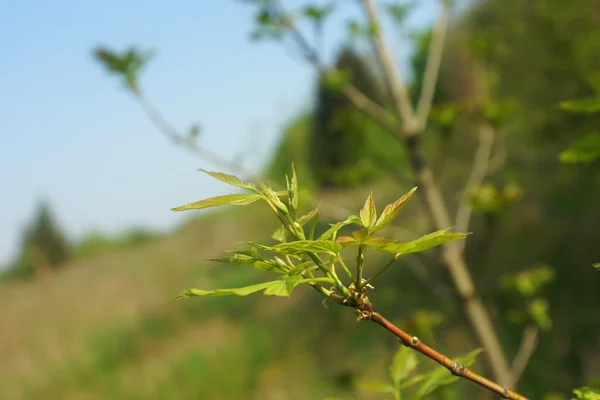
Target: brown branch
[(391, 75), (529, 343), (432, 68), (454, 368), (476, 177)]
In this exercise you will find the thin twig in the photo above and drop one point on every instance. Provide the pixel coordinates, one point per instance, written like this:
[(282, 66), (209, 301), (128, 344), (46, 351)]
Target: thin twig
[(529, 342), (432, 68), (476, 177), (454, 368)]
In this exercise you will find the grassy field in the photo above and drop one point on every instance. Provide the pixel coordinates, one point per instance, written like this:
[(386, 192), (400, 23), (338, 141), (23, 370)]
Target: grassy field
[(106, 327)]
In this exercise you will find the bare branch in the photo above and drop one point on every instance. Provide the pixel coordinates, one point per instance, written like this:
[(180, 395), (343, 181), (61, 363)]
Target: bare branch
[(478, 174), (529, 342), (392, 76), (176, 137), (432, 68), (455, 368)]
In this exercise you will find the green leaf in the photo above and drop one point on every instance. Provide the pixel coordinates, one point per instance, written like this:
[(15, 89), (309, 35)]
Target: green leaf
[(440, 376), (587, 106), (368, 214), (423, 243), (302, 246), (378, 387), (243, 291), (281, 234), (597, 266), (283, 288), (230, 180), (405, 361), (584, 150), (266, 265), (244, 257), (346, 241), (411, 381), (307, 217), (333, 230), (273, 198), (298, 269), (586, 393), (391, 211), (538, 308), (225, 200), (293, 190)]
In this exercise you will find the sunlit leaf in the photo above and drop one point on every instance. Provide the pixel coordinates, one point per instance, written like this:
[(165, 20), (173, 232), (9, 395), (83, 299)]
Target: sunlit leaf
[(405, 361), (293, 190), (346, 241), (243, 291), (273, 197), (353, 219), (307, 217), (230, 180), (587, 393), (391, 211), (283, 288), (584, 150), (302, 246), (440, 376), (298, 269), (586, 106), (225, 200), (423, 243), (368, 214)]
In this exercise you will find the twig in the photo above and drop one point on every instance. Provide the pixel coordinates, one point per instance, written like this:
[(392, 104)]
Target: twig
[(392, 76), (432, 68), (454, 368), (478, 174), (529, 342)]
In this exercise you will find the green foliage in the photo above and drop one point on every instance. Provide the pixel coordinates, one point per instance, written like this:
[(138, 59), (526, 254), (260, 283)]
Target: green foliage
[(127, 64), (403, 375), (301, 255), (586, 393), (98, 243), (585, 150)]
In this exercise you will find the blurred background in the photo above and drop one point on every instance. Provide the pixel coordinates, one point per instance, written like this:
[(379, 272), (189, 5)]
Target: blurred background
[(91, 254)]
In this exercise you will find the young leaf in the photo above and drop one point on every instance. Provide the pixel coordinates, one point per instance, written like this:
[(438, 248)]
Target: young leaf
[(280, 234), (411, 381), (368, 214), (587, 106), (243, 291), (597, 266), (266, 266), (423, 243), (346, 241), (225, 200), (440, 376), (378, 387), (283, 288), (302, 246), (293, 190), (333, 230), (273, 198), (391, 211), (239, 258), (230, 179), (307, 217), (298, 269), (586, 393), (405, 361), (585, 150)]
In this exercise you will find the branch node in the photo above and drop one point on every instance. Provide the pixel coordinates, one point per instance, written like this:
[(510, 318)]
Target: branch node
[(457, 369), (415, 341)]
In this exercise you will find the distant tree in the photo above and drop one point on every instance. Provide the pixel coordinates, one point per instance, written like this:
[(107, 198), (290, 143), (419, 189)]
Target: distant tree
[(43, 246), (339, 132)]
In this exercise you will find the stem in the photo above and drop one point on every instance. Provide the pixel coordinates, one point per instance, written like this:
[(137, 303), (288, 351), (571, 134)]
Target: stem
[(346, 269), (381, 271), (456, 369), (309, 280), (360, 265)]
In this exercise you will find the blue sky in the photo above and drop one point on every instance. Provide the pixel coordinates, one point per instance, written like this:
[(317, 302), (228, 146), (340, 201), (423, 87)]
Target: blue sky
[(70, 134)]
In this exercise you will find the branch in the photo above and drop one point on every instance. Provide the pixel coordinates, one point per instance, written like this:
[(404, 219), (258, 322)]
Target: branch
[(393, 78), (176, 137), (432, 68), (454, 368), (529, 343), (478, 174)]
